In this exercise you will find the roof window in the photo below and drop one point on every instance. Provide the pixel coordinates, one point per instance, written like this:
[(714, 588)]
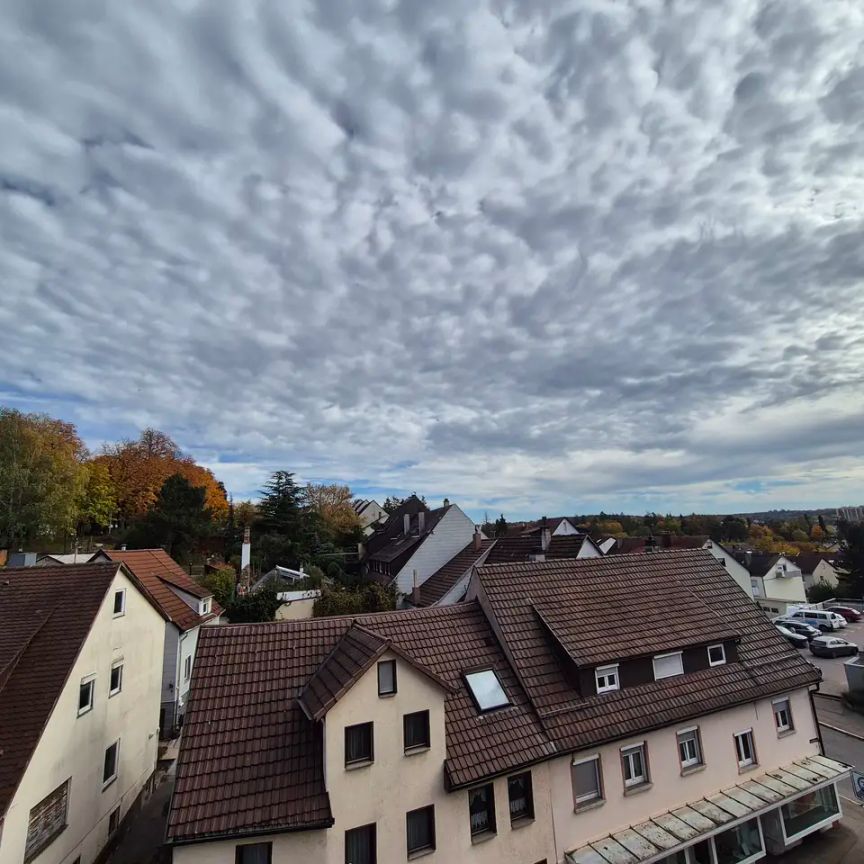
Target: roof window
[(486, 690)]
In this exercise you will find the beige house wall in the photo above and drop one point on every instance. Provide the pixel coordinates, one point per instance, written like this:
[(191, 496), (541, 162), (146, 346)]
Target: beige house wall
[(73, 747), (295, 610), (668, 788)]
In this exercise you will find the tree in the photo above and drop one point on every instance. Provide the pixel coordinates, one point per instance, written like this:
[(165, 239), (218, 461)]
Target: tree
[(823, 526), (355, 600), (99, 499), (258, 606), (285, 533), (851, 556), (41, 477), (178, 520), (501, 526), (222, 583), (332, 503), (820, 592)]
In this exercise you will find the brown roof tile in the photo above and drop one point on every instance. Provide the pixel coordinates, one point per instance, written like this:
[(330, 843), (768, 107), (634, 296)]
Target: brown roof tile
[(158, 571), (47, 613), (442, 580)]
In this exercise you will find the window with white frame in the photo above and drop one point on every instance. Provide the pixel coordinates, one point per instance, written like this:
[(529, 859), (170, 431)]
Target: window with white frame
[(587, 781), (668, 665), (744, 748), (187, 668), (634, 765), (606, 678), (116, 678), (783, 715), (716, 655), (86, 692), (205, 606), (689, 747), (109, 765), (120, 602)]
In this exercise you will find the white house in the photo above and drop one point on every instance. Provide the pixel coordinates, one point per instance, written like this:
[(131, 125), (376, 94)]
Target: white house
[(734, 568), (187, 607), (370, 513), (80, 676), (819, 568), (776, 581)]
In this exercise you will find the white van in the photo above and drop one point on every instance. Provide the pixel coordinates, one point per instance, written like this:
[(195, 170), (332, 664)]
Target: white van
[(825, 621)]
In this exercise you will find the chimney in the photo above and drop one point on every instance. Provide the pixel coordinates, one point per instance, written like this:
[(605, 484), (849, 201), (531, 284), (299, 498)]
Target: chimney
[(406, 523), (245, 560), (122, 548), (415, 591), (446, 502), (478, 538), (545, 535), (421, 521)]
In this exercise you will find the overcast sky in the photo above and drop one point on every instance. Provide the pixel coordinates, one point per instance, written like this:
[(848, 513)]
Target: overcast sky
[(540, 257)]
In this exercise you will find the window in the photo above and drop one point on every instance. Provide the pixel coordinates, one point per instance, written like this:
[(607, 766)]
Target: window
[(205, 606), (85, 696), (587, 781), (47, 821), (187, 668), (386, 677), (481, 807), (606, 678), (486, 690), (361, 845), (716, 655), (358, 744), (634, 765), (253, 853), (114, 821), (416, 730), (521, 796), (744, 748), (420, 830), (120, 602), (109, 766), (783, 716), (116, 679), (739, 845), (667, 665), (803, 814), (689, 748)]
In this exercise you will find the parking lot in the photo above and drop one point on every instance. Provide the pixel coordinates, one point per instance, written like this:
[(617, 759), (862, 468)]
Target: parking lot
[(833, 674)]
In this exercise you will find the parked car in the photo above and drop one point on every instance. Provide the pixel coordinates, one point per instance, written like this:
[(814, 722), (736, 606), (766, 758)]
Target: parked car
[(832, 646), (793, 639), (846, 612), (799, 627), (825, 621)]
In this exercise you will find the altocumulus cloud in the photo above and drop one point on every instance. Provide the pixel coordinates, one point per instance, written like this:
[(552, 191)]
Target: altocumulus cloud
[(531, 255)]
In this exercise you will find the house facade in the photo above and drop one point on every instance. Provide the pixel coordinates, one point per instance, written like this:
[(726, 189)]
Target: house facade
[(187, 608), (509, 727), (818, 568), (775, 580), (80, 675), (733, 567), (370, 513)]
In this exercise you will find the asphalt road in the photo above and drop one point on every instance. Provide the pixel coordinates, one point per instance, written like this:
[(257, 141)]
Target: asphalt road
[(846, 749), (833, 674)]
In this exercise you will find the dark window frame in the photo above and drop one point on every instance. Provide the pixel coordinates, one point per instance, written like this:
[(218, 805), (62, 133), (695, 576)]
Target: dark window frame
[(90, 684), (497, 707), (383, 693), (428, 813), (116, 667), (370, 827), (238, 851), (528, 814), (107, 781), (421, 745), (492, 823), (366, 759), (119, 594)]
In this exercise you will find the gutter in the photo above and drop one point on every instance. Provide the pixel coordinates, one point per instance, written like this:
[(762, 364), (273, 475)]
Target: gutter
[(252, 832)]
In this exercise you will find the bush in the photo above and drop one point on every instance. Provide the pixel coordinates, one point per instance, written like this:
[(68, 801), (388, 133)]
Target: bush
[(366, 597), (260, 606), (820, 592)]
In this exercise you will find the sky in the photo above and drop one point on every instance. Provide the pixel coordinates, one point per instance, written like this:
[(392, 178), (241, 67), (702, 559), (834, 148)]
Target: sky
[(539, 256)]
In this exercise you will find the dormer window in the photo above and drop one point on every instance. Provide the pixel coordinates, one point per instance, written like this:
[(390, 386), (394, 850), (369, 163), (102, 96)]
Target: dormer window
[(716, 655), (205, 606), (668, 665), (606, 678), (487, 690)]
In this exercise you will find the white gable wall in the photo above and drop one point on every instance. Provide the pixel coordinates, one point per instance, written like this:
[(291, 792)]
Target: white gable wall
[(565, 529), (737, 571), (451, 535), (589, 549)]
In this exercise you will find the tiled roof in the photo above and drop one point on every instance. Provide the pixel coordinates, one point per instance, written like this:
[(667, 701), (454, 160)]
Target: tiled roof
[(251, 760), (158, 571), (758, 563), (667, 588), (522, 547), (442, 580), (46, 614), (807, 562)]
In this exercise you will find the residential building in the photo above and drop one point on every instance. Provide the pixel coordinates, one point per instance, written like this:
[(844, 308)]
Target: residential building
[(370, 513), (775, 580), (450, 582), (296, 604), (414, 543), (80, 676), (850, 514), (542, 546), (632, 708), (55, 558), (186, 606), (559, 526), (819, 568), (733, 567)]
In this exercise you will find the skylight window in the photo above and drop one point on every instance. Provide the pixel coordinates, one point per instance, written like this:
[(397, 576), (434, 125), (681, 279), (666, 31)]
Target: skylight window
[(486, 690)]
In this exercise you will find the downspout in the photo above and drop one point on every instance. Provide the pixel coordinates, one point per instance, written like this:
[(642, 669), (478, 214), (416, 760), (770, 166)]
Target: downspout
[(810, 693), (551, 811)]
